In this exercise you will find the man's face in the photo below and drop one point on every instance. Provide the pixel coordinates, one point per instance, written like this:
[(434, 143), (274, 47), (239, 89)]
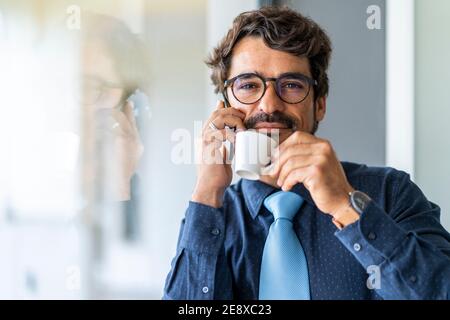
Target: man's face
[(251, 55), (101, 84)]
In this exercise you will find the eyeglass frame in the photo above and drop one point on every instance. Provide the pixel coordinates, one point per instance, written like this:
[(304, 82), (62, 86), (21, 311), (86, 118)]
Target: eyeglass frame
[(104, 84), (230, 82)]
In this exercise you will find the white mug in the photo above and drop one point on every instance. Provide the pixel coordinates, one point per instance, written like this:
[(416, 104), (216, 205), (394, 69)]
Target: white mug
[(253, 151)]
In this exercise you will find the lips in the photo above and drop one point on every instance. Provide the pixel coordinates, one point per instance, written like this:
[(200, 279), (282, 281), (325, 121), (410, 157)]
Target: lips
[(270, 125)]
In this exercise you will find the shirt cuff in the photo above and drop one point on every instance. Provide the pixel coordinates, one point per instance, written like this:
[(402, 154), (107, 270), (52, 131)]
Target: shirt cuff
[(373, 238), (204, 228)]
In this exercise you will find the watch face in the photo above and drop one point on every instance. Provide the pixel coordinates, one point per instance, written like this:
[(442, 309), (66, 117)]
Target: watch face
[(359, 201)]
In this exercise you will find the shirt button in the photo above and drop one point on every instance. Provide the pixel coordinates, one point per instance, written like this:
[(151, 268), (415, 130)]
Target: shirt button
[(372, 236), (205, 289), (215, 231), (357, 246), (413, 279)]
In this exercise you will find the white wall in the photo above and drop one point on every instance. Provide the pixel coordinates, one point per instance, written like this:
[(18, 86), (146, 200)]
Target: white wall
[(220, 16), (355, 119), (433, 102)]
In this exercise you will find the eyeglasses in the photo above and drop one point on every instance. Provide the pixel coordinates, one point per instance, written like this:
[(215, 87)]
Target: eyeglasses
[(94, 88), (249, 88)]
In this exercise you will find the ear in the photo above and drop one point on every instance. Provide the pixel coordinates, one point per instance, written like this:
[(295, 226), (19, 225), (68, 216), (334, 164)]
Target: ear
[(320, 108)]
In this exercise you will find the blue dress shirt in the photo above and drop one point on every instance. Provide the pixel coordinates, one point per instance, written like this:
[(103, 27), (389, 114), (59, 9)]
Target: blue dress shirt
[(396, 250)]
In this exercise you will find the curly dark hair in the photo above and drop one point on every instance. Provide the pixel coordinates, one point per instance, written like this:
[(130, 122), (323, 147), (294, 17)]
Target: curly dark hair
[(282, 29), (128, 51)]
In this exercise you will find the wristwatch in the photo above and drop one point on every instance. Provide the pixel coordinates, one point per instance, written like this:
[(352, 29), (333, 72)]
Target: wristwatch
[(359, 201)]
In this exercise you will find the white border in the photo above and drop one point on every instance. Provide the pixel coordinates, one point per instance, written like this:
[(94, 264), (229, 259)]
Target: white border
[(400, 85)]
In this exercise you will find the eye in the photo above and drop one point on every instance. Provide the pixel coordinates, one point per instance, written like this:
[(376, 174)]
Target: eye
[(293, 85), (248, 86)]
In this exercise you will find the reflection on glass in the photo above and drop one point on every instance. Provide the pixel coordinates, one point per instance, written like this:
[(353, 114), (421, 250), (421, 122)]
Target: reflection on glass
[(72, 137), (113, 75), (85, 210)]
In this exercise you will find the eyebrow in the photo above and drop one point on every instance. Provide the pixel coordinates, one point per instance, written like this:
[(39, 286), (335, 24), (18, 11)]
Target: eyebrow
[(281, 75), (102, 81)]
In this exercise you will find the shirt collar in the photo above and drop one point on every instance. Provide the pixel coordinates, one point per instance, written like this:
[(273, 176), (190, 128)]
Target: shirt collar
[(256, 191)]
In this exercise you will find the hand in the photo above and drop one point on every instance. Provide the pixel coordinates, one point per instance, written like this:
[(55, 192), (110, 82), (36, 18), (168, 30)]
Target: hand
[(214, 172), (304, 158), (122, 149)]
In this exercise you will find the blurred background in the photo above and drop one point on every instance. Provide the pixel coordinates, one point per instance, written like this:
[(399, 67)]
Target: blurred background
[(91, 200)]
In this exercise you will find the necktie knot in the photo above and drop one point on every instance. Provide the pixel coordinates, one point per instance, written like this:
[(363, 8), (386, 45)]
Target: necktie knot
[(283, 205)]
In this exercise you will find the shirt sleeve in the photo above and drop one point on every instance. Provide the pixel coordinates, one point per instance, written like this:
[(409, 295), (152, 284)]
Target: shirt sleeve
[(199, 270), (405, 251)]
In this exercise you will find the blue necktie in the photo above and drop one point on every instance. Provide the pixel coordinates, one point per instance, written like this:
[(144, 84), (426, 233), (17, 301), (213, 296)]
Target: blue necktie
[(284, 271)]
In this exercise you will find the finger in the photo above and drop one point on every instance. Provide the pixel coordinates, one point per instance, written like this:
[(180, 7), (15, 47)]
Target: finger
[(218, 115), (211, 152), (215, 135), (111, 126), (296, 176), (279, 158), (299, 137), (234, 112), (230, 135), (122, 123), (228, 120), (301, 175), (293, 164), (129, 113), (296, 139), (220, 105), (224, 152), (220, 109)]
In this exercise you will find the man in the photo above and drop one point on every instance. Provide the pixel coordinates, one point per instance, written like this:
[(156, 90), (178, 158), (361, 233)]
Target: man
[(361, 232), (114, 76)]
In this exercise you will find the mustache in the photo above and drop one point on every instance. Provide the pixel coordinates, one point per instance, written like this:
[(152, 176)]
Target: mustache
[(277, 117)]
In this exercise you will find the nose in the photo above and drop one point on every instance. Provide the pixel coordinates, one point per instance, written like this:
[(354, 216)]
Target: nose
[(270, 102)]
